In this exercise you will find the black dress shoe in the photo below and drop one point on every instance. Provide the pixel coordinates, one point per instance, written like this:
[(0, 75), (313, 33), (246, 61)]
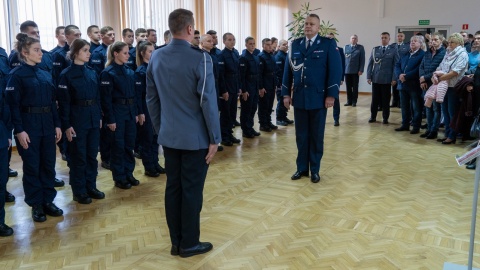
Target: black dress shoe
[(266, 129), (234, 140), (105, 165), (471, 166), (152, 173), (202, 247), (52, 210), (82, 198), (385, 121), (415, 131), (424, 135), (220, 148), (58, 183), (123, 184), (160, 169), (449, 142), (424, 126), (236, 124), (64, 157), (272, 126), (227, 143), (432, 135), (289, 121), (402, 129), (9, 197), (12, 173), (315, 178), (38, 214), (174, 250), (133, 181), (347, 104), (137, 154), (336, 124), (255, 133), (282, 123), (248, 135), (5, 230), (354, 104), (96, 194), (372, 120), (298, 174), (441, 139)]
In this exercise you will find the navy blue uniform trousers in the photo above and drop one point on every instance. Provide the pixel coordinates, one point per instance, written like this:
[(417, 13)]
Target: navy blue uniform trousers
[(148, 144), (3, 181), (122, 143), (247, 113)]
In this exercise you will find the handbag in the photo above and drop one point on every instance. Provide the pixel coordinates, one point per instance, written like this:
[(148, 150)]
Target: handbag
[(475, 128)]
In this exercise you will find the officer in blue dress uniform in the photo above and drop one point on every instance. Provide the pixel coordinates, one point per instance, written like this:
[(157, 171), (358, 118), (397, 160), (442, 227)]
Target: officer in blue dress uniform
[(267, 86), (31, 97), (228, 69), (250, 77), (314, 68), (79, 108), (120, 107)]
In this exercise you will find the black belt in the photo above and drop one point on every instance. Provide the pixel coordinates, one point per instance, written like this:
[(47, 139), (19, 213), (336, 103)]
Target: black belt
[(124, 101), (85, 102), (36, 109)]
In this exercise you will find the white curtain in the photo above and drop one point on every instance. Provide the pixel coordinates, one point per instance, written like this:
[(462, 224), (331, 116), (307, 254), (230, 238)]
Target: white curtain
[(272, 19), (5, 40), (82, 13)]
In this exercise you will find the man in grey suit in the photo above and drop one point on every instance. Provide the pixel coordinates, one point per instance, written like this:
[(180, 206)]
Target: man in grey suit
[(354, 65), (182, 102), (380, 72)]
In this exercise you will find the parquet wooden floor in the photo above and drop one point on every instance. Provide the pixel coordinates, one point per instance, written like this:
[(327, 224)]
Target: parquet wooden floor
[(386, 200)]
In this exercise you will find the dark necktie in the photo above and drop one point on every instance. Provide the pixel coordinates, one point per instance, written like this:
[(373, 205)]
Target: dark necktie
[(309, 43), (383, 49)]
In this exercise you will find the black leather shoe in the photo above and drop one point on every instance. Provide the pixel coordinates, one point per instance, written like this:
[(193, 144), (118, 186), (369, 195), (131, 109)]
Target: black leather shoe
[(272, 126), (282, 123), (227, 143), (82, 198), (315, 178), (64, 157), (105, 165), (5, 230), (202, 247), (12, 173), (347, 104), (160, 169), (58, 183), (174, 251), (402, 129), (248, 135), (449, 142), (336, 124), (298, 174), (9, 197), (152, 173), (52, 210), (123, 184), (137, 155), (37, 213), (441, 139), (234, 140), (415, 131), (289, 121), (255, 133), (372, 120), (471, 166), (424, 126), (424, 135), (385, 121), (220, 148), (354, 104), (96, 194), (266, 129), (133, 181), (432, 135), (236, 124)]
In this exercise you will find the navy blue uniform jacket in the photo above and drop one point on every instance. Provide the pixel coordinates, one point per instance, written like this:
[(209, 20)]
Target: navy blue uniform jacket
[(268, 71), (250, 75), (409, 64), (228, 71)]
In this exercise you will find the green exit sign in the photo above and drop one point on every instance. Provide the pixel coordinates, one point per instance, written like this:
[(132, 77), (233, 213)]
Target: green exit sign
[(423, 22)]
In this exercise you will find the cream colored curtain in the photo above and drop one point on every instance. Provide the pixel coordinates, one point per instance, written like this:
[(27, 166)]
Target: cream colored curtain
[(272, 16)]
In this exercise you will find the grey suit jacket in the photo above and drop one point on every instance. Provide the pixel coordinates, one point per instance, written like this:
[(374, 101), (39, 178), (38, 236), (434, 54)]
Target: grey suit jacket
[(354, 59), (382, 64), (181, 97)]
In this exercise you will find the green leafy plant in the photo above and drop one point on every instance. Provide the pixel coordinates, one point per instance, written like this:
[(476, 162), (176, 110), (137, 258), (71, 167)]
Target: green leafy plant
[(295, 27)]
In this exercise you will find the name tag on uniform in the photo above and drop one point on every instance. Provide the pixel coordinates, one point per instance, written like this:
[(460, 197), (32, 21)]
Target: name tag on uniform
[(56, 63), (138, 83), (95, 61), (318, 51), (106, 83), (62, 86), (9, 88), (220, 63)]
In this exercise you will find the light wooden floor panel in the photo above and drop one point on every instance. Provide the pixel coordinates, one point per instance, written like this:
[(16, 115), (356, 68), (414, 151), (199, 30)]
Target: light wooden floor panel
[(386, 200)]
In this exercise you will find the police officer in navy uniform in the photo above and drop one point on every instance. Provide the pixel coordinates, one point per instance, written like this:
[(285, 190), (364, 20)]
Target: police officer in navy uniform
[(280, 58), (267, 86), (250, 77), (30, 28), (31, 97), (380, 74), (354, 66), (140, 35), (79, 108), (336, 105), (314, 68), (403, 48), (214, 50), (120, 107), (5, 145), (148, 139), (60, 36), (228, 79), (94, 34)]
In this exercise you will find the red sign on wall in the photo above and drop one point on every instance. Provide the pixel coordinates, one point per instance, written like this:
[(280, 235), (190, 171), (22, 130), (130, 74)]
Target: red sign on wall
[(464, 26)]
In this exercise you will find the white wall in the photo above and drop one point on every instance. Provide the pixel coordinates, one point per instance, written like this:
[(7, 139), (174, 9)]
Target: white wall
[(368, 18)]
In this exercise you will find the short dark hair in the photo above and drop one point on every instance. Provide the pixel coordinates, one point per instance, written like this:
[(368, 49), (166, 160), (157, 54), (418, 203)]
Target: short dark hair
[(265, 40), (248, 39), (274, 39), (105, 30), (196, 32), (90, 28), (24, 26), (140, 31), (149, 30), (385, 33), (57, 30), (211, 32), (125, 31), (179, 19), (226, 35), (313, 15), (470, 36), (69, 28), (477, 33), (166, 34)]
